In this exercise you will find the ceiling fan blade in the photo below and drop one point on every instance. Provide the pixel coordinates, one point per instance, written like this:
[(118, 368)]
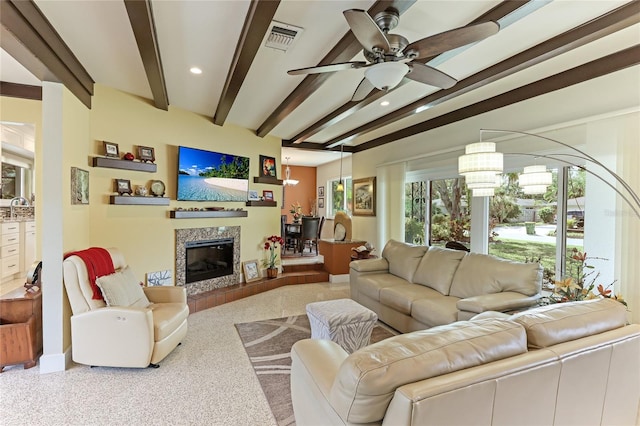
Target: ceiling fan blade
[(364, 88), (328, 68), (366, 30), (436, 44), (429, 75)]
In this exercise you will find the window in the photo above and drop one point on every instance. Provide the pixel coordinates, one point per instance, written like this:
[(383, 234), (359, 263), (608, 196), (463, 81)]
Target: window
[(436, 209), (339, 200)]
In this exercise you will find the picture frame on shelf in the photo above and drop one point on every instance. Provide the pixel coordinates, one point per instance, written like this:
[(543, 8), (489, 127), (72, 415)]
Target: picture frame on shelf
[(267, 166), (111, 149), (364, 196), (252, 195), (123, 186), (268, 195), (250, 270), (321, 191), (321, 203), (146, 154), (79, 186)]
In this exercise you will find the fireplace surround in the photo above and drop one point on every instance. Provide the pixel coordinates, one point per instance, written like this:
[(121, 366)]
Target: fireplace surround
[(195, 235)]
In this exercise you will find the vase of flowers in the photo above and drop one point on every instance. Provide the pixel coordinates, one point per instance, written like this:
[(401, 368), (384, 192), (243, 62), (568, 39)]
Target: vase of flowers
[(296, 211), (271, 261), (581, 283)]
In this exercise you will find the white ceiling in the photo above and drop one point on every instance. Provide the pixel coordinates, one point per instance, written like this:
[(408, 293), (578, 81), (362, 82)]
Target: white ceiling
[(205, 34)]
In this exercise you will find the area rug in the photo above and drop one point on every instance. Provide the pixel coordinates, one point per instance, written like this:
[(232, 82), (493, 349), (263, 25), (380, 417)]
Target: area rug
[(268, 344)]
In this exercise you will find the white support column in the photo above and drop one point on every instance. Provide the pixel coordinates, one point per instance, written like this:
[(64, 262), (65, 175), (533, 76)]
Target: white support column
[(480, 225), (53, 357), (390, 203)]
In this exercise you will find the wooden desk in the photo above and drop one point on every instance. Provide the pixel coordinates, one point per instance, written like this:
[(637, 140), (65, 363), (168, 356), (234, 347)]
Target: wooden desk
[(337, 254), (20, 328)]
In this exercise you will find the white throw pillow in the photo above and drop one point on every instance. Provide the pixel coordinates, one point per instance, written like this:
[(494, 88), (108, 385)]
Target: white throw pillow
[(122, 289)]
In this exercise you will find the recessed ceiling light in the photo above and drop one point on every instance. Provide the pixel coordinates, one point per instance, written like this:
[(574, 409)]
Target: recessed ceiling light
[(384, 103), (195, 70)]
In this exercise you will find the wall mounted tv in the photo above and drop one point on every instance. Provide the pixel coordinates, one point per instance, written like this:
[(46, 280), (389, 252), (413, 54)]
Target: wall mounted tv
[(211, 176)]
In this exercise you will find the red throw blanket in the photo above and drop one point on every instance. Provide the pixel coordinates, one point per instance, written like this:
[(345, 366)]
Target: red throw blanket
[(99, 263)]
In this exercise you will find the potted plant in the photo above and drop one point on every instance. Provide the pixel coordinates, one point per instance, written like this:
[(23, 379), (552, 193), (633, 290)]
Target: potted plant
[(271, 262)]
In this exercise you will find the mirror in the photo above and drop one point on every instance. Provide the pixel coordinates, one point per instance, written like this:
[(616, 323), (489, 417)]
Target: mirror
[(17, 154)]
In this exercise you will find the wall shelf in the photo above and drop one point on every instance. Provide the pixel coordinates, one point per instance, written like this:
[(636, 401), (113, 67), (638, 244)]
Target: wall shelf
[(262, 203), (267, 179), (116, 163), (187, 214), (140, 201)]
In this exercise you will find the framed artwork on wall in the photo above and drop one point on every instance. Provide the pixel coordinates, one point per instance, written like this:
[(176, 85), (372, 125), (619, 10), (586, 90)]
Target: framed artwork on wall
[(267, 166), (79, 186), (321, 203), (321, 191), (364, 196)]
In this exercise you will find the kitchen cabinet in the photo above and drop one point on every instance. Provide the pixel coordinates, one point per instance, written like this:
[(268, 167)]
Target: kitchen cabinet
[(28, 244), (9, 249)]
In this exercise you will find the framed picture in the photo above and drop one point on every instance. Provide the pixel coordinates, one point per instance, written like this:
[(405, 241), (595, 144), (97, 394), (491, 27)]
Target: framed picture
[(253, 195), (250, 270), (267, 166), (321, 203), (268, 195), (123, 186), (364, 196), (146, 153), (321, 191), (79, 186), (111, 149)]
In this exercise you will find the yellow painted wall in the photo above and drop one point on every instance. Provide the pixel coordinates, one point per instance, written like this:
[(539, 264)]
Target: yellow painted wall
[(146, 234)]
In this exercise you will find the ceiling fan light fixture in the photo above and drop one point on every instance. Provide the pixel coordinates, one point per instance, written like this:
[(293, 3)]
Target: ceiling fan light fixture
[(386, 75)]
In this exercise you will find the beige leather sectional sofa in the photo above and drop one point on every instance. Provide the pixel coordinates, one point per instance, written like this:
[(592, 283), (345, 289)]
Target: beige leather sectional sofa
[(570, 363), (417, 287)]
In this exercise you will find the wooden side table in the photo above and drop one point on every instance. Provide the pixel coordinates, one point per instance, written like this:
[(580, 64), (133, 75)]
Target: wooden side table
[(20, 328), (337, 254)]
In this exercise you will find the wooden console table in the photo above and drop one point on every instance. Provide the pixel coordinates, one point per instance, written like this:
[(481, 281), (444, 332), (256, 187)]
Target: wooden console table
[(20, 328), (337, 254)]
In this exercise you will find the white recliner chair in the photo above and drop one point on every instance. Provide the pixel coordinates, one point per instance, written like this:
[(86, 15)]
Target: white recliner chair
[(134, 335)]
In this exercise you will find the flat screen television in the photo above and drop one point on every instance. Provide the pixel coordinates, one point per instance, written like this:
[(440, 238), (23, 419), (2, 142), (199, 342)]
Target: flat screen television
[(211, 176)]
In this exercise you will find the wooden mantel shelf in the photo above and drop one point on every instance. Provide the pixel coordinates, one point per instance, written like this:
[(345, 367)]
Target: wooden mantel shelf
[(193, 214), (116, 163), (267, 179)]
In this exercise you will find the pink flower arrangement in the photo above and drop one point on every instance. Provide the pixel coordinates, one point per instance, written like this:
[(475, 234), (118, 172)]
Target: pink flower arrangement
[(271, 244)]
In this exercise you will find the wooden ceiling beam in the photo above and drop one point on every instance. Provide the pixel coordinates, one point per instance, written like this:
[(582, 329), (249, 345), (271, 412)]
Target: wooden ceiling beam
[(22, 91), (28, 36), (607, 24), (606, 65), (343, 51), (256, 24), (144, 29), (498, 12)]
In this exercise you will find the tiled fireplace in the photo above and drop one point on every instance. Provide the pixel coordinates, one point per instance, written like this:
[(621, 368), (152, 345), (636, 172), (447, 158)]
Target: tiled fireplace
[(189, 236)]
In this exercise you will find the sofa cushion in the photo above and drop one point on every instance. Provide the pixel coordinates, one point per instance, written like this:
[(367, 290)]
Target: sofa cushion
[(368, 378), (122, 288), (435, 311), (437, 267), (553, 324), (482, 274), (403, 258), (400, 297), (370, 285)]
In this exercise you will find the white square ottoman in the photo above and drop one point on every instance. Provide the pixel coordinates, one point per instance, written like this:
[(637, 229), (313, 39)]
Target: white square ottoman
[(343, 321)]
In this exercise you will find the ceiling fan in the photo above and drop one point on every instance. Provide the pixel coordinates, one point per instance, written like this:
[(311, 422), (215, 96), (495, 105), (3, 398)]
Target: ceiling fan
[(390, 57)]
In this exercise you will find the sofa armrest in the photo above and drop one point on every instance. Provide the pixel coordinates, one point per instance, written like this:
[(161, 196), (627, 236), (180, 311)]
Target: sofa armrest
[(370, 265), (166, 294), (314, 366), (501, 302), (113, 336)]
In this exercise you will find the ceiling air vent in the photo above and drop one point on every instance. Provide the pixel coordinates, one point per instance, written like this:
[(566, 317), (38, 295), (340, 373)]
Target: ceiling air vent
[(282, 36)]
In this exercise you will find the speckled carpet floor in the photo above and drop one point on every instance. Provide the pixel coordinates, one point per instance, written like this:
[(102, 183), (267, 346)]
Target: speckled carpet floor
[(268, 344)]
